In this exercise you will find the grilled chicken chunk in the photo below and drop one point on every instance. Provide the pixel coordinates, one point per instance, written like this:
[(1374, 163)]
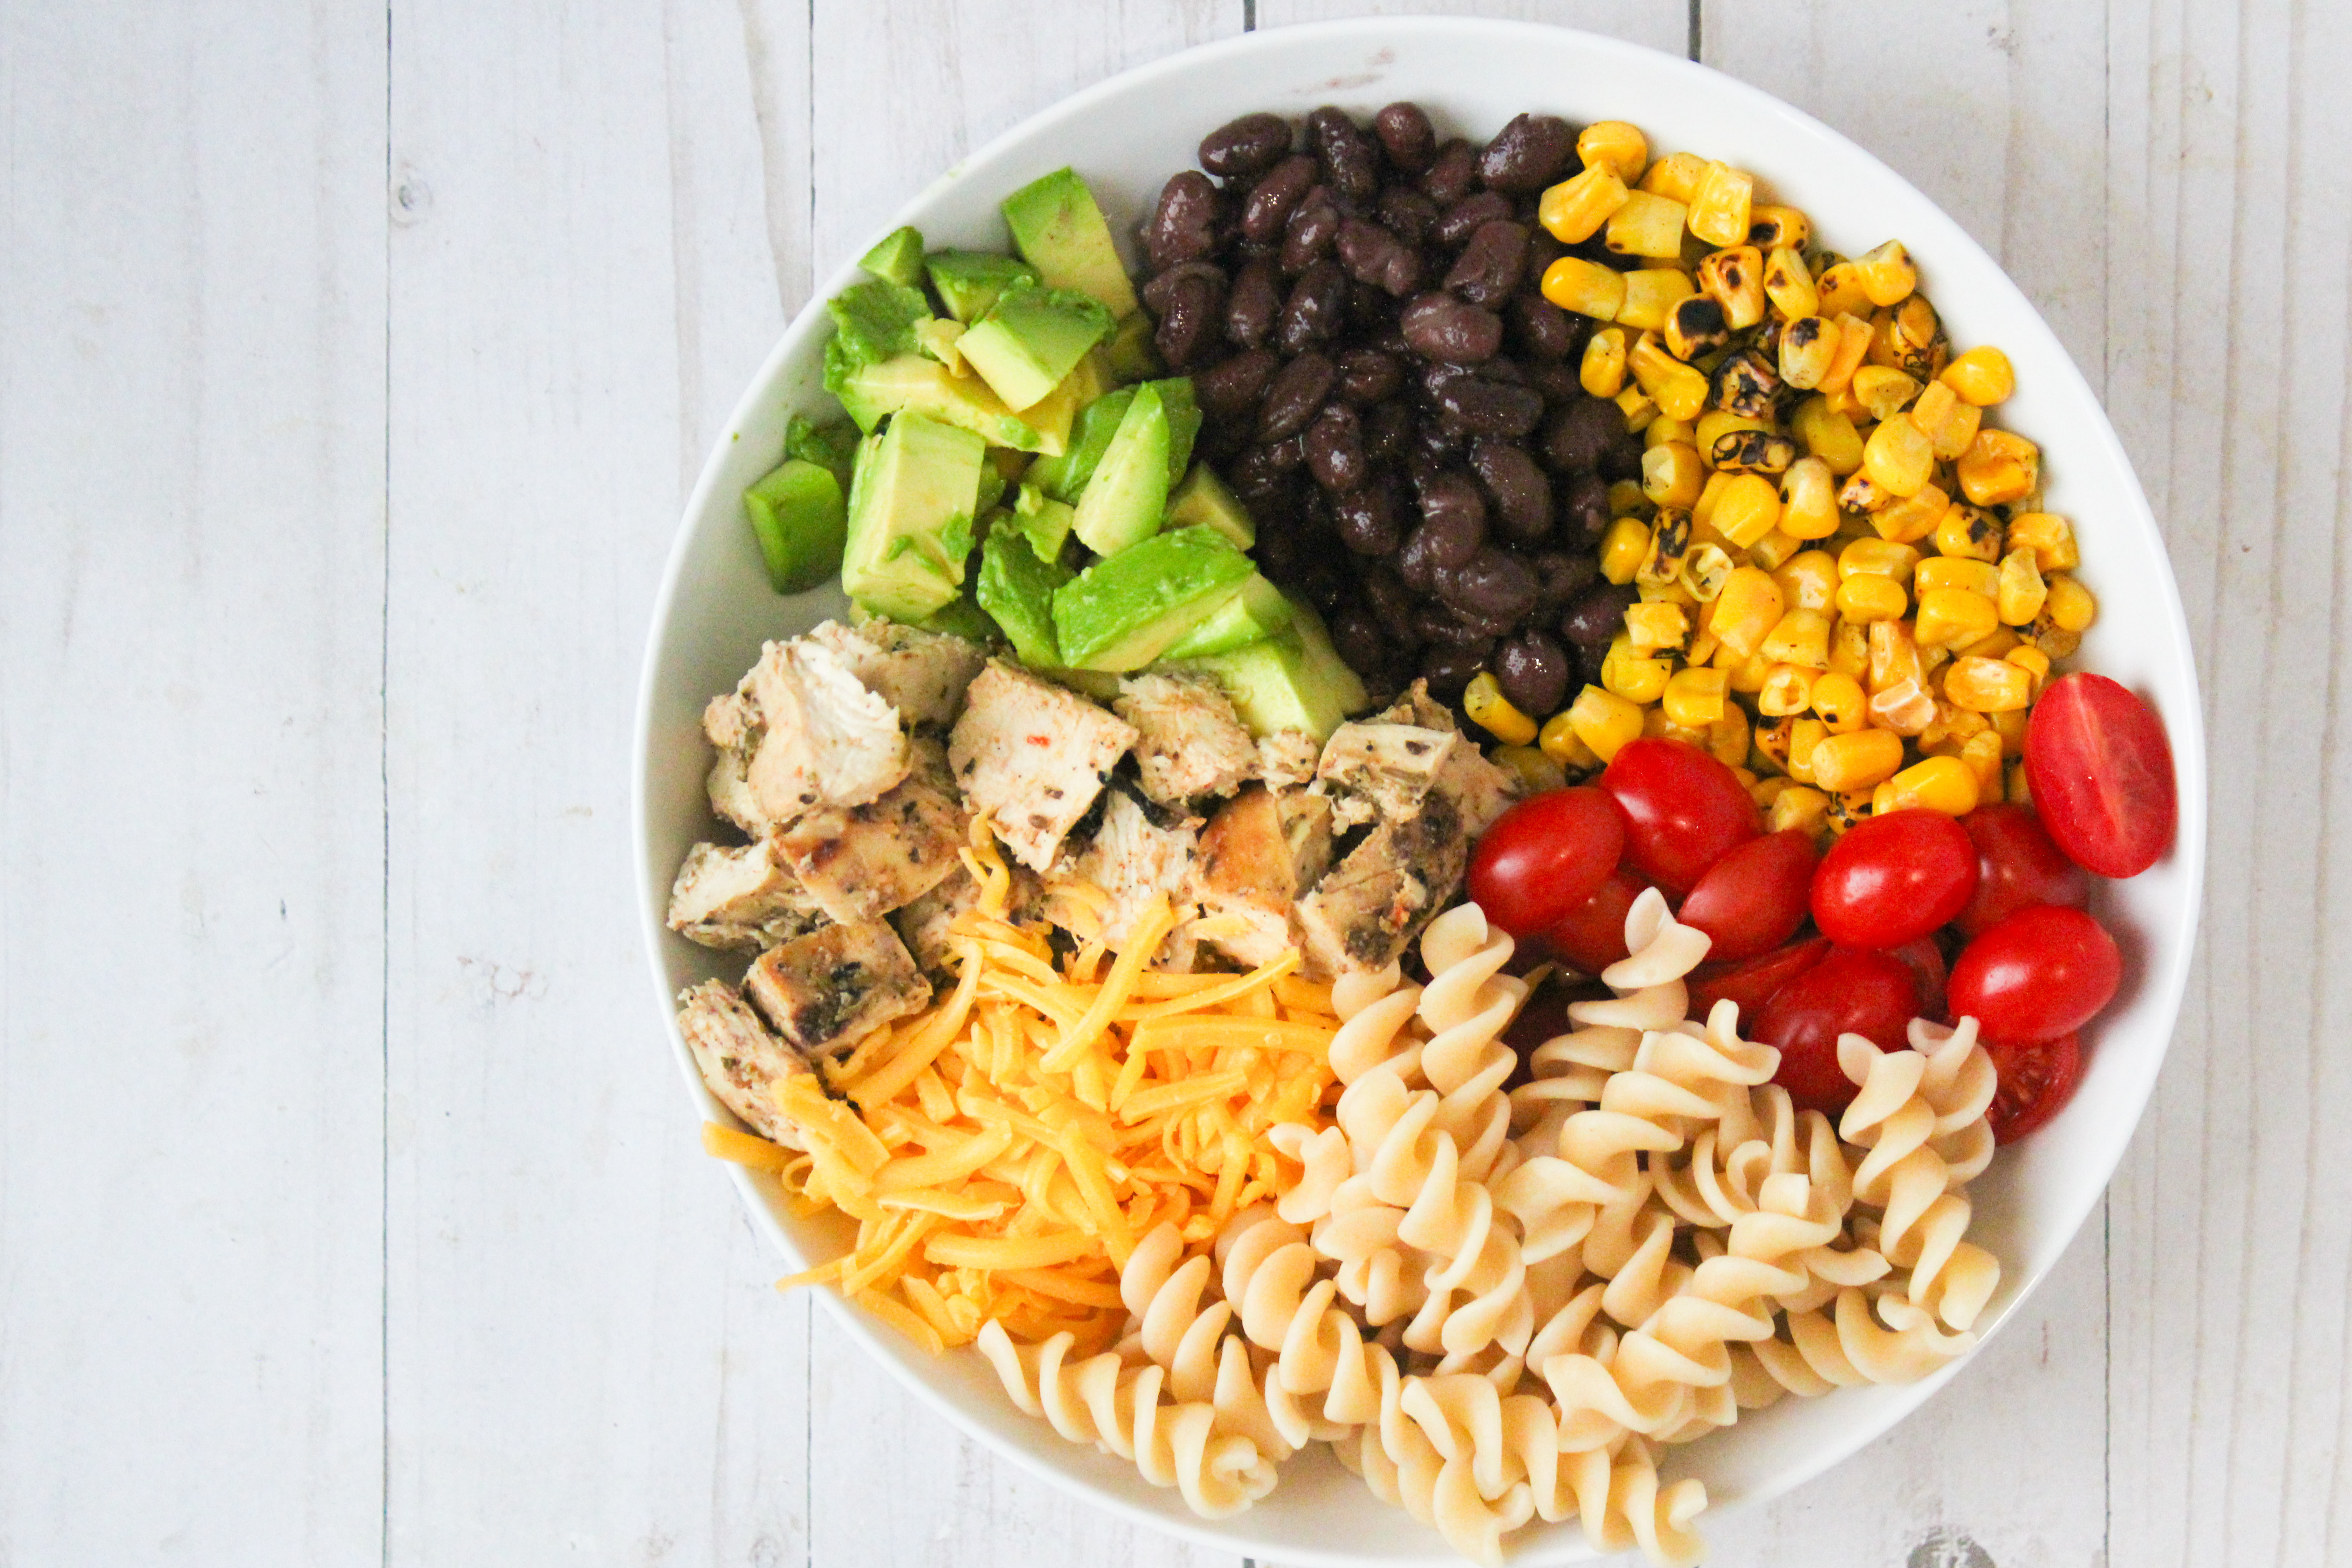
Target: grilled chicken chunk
[(1033, 756), (739, 898), (921, 674), (826, 991), (742, 1064), (1190, 741), (924, 922), (862, 862), (1134, 859), (1365, 911), (1256, 857), (1378, 771), (805, 733), (1286, 759)]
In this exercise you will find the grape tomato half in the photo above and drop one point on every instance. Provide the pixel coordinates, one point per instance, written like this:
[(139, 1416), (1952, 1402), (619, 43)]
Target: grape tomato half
[(2100, 771), (1685, 810)]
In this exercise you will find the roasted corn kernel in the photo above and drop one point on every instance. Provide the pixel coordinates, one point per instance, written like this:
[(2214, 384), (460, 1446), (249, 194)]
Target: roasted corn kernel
[(1886, 274), (1601, 371), (1745, 509), (1624, 549), (1650, 295), (1894, 657), (1614, 144), (1787, 285), (1900, 458), (1828, 434), (1779, 227), (1988, 685), (1809, 508), (1639, 408), (1734, 279), (1656, 625), (1788, 691), (1801, 809), (1657, 726), (1968, 531), (1604, 721), (2049, 536), (1728, 736), (1574, 209), (1839, 700), (1800, 637), (1809, 346), (2031, 660), (1859, 760), (1745, 611), (1950, 424), (1534, 771), (2051, 637), (1492, 712), (1953, 616), (1631, 675), (1563, 745), (1672, 474), (1694, 326), (1723, 205), (1772, 549), (1808, 581), (1662, 430), (2070, 604), (1999, 467), (1705, 569), (1695, 699), (1805, 737), (1957, 571), (1745, 383), (1841, 290), (1847, 810), (1853, 341), (1995, 644), (1885, 393), (1981, 376), (1912, 518), (1584, 287), (1675, 176), (1869, 597), (1877, 558), (2020, 590), (1903, 708), (1748, 675), (1943, 784), (1647, 225)]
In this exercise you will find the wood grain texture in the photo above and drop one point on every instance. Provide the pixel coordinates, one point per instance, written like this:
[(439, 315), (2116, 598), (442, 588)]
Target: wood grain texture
[(1660, 24)]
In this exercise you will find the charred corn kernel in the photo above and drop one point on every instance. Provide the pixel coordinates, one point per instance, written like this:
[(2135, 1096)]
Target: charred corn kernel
[(1779, 229), (1839, 700), (1800, 636), (1657, 726), (1656, 625), (2009, 725), (1869, 597), (1953, 616), (1695, 327), (1695, 697), (1981, 753), (1745, 611), (1981, 376), (1886, 274), (1772, 549), (1938, 411), (1808, 581), (1988, 685), (1626, 500), (2020, 591), (1957, 571), (1748, 675), (1799, 808), (1705, 570), (1722, 207), (1853, 341), (1942, 784), (1900, 459), (1750, 452), (1703, 509), (1734, 279), (1999, 467), (1968, 531), (2051, 637), (1951, 725), (1492, 712), (1894, 657), (1683, 393), (1747, 509), (1601, 371), (1828, 434), (1912, 518), (1809, 508), (1876, 558), (1604, 721), (1746, 384), (1846, 810), (1669, 592), (1903, 708), (2070, 604), (2049, 536), (1787, 285), (1728, 736), (1628, 673), (1908, 338), (1850, 648), (1675, 176), (1646, 225), (1769, 788), (1639, 408), (1563, 745), (1805, 737), (1809, 345), (1672, 474), (1859, 760), (1787, 691), (1574, 209), (1841, 290), (1624, 549), (2031, 660), (1614, 145), (1714, 424), (1662, 430), (1994, 645), (1584, 287), (1885, 393), (1650, 295), (1536, 771), (1768, 745)]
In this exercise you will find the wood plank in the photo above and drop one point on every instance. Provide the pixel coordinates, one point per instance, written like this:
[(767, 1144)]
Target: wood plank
[(1660, 24), (191, 398)]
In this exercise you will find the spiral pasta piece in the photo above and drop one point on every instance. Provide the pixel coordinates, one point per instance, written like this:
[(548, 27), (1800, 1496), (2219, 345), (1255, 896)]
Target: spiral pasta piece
[(1162, 1289), (1466, 1006)]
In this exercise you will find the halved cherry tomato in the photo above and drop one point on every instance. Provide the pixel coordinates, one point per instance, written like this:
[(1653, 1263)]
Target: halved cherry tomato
[(1752, 982), (1929, 970), (2042, 972), (2100, 771), (2017, 867), (1851, 990), (1754, 899), (1893, 878), (2036, 1082), (1591, 936), (1683, 809), (1545, 856)]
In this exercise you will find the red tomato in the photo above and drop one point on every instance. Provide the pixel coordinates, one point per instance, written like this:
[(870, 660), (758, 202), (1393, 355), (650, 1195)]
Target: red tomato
[(1753, 900), (2042, 972), (2036, 1082), (2100, 771), (1850, 991), (1928, 968), (1683, 809), (1752, 982), (1893, 878), (1545, 856), (1591, 936), (2017, 867)]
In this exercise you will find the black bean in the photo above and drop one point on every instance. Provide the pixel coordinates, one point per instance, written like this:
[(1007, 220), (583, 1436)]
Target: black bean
[(1244, 146), (1444, 328), (1273, 197), (1297, 390), (1494, 586), (1461, 219), (1391, 601), (1623, 460), (1183, 227), (1519, 488), (1480, 406), (1435, 442), (1533, 670), (1233, 389), (1370, 309), (1287, 456), (1454, 516), (1313, 225), (1564, 574), (1323, 583), (1598, 615), (1157, 291), (1406, 136), (1373, 255), (1557, 379), (1350, 166), (1450, 173), (1579, 435), (1335, 449), (1371, 520), (1542, 331), (1490, 267), (1407, 213), (1258, 477), (1357, 634), (1188, 315), (1584, 507), (1527, 154), (1315, 309), (1449, 671), (1388, 432), (1367, 376), (1542, 250), (1253, 303), (1416, 564)]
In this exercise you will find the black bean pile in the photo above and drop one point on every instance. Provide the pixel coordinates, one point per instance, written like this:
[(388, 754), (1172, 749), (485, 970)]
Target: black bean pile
[(1385, 388)]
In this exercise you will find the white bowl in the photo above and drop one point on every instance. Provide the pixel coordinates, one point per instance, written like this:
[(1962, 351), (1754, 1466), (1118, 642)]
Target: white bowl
[(1127, 135)]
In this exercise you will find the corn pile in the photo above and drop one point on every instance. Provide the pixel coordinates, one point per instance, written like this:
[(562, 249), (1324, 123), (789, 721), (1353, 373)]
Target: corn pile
[(1848, 590)]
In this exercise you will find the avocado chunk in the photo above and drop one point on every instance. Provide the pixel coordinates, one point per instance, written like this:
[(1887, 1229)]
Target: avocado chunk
[(1064, 478), (832, 446), (1258, 612), (962, 616), (1203, 499), (911, 517), (1293, 682), (1123, 612), (912, 382), (1059, 229), (1031, 339), (800, 521), (1043, 521), (1183, 423), (968, 281), (897, 257), (876, 320), (1133, 355), (1127, 496), (1016, 588), (937, 339)]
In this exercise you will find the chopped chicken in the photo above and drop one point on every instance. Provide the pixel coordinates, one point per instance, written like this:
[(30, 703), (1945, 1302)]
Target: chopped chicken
[(1362, 913), (1256, 857), (731, 796), (742, 1064), (924, 922), (810, 734), (921, 674), (1375, 770), (1034, 756), (1134, 859), (1286, 759), (826, 991), (743, 897), (1190, 741), (1481, 790), (860, 862)]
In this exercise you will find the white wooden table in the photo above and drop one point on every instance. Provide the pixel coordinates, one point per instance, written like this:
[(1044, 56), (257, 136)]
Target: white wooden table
[(354, 366)]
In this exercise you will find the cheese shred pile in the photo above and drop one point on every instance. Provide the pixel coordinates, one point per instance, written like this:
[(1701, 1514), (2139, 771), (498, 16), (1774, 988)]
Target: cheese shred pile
[(1003, 1151)]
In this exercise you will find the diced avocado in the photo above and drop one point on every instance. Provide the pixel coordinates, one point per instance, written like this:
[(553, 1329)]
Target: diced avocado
[(970, 280), (897, 259), (1064, 478), (911, 517), (1057, 226), (1293, 682), (991, 487), (938, 338), (1043, 521), (832, 446), (1031, 339), (1258, 612), (1016, 589), (1127, 496), (1203, 499), (1124, 611), (872, 391), (799, 515), (876, 320), (1051, 414), (1133, 355), (962, 617), (1183, 423)]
